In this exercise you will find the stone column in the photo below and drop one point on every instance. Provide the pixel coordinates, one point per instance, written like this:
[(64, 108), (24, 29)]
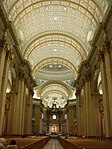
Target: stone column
[(105, 94), (3, 49), (37, 119), (71, 120), (89, 104), (28, 113), (83, 112), (78, 107), (23, 109), (67, 126), (108, 68), (19, 103), (8, 58), (96, 114), (10, 113), (40, 129), (7, 106), (79, 113)]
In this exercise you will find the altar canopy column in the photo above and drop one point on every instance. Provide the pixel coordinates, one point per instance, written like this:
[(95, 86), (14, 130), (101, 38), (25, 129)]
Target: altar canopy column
[(8, 55)]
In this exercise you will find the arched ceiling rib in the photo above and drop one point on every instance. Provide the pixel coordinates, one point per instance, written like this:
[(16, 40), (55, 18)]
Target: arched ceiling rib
[(54, 60), (54, 92), (58, 38), (55, 32), (57, 85), (55, 45), (77, 17)]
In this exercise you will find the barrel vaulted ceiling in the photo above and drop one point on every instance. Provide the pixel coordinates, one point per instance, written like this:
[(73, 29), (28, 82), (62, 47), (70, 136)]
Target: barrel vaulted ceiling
[(55, 35)]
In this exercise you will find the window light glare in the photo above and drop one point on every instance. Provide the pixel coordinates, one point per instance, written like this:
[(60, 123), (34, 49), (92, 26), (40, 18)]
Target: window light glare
[(55, 50), (65, 8), (59, 66), (55, 18), (50, 66), (46, 8)]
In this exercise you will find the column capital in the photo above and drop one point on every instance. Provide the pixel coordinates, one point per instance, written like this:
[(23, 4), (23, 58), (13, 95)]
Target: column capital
[(10, 54), (21, 72), (87, 73), (106, 46), (100, 55), (4, 46), (30, 86), (7, 105), (78, 89)]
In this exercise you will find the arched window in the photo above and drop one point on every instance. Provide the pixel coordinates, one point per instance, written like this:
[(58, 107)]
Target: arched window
[(54, 117)]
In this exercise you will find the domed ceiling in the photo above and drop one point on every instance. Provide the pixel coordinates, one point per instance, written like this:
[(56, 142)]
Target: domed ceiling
[(54, 36)]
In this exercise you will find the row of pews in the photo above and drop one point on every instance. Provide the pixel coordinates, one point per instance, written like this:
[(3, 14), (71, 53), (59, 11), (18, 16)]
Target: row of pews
[(30, 142), (84, 143)]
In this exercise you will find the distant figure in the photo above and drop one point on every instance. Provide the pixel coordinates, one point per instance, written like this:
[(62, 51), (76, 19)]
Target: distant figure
[(2, 146), (24, 136), (66, 136), (3, 141), (12, 145)]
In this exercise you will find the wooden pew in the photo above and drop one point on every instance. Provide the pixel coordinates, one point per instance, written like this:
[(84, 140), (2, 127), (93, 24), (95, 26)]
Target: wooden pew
[(30, 143), (83, 143)]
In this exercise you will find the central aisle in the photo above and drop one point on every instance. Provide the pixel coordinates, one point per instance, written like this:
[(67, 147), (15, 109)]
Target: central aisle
[(53, 144)]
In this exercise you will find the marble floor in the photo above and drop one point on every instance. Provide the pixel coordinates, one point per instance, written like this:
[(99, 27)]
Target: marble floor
[(53, 144)]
